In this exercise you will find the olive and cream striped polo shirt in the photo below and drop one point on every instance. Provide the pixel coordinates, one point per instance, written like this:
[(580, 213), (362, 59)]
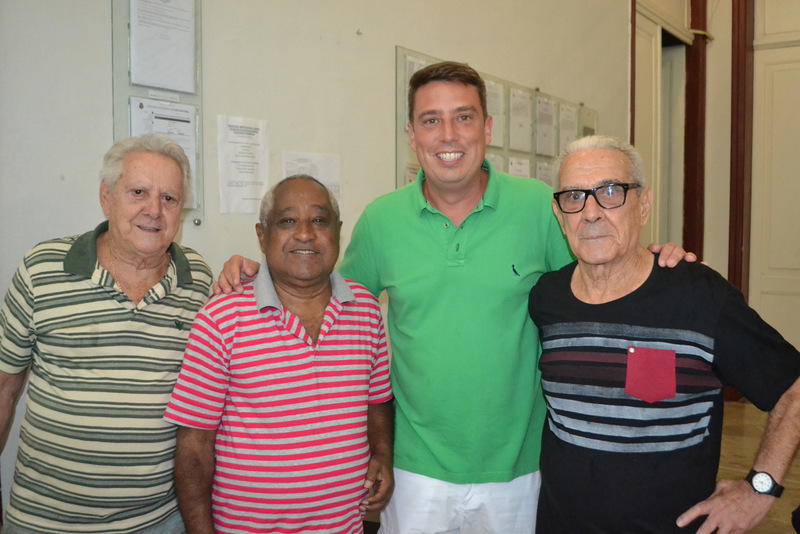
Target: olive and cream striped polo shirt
[(95, 454)]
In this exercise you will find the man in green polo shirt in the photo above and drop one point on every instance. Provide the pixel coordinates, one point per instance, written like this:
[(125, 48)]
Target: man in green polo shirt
[(457, 252)]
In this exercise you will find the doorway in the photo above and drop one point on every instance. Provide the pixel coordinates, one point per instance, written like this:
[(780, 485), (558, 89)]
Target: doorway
[(660, 125)]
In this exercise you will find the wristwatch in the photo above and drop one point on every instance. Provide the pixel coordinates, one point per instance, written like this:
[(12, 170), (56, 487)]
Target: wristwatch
[(763, 483)]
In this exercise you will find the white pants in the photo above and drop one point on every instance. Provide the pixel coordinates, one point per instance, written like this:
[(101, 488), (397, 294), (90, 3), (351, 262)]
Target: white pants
[(424, 505)]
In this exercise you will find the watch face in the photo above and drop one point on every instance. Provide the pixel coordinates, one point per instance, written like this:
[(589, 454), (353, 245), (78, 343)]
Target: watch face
[(762, 482)]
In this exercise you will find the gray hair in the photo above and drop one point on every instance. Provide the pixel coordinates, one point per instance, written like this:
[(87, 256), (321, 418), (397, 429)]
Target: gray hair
[(269, 198), (603, 142), (155, 143)]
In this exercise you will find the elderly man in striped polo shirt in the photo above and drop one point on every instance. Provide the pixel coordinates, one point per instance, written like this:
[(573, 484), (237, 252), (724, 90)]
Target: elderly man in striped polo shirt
[(99, 323), (284, 401)]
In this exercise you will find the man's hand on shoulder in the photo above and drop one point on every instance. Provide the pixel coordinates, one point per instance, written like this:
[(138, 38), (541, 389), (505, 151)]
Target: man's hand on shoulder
[(671, 254), (237, 271)]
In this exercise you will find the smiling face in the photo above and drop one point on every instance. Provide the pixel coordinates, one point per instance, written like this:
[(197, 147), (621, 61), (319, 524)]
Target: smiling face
[(596, 235), (449, 134), (144, 207), (301, 240)]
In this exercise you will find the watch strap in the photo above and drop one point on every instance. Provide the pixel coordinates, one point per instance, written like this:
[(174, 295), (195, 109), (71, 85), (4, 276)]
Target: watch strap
[(775, 491)]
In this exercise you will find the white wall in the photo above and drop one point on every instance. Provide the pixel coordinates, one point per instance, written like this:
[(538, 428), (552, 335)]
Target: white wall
[(302, 66), (55, 124)]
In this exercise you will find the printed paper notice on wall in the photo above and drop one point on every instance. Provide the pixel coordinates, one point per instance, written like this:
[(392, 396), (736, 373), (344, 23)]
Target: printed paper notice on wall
[(545, 173), (243, 148), (163, 44), (174, 120), (545, 127), (326, 168), (496, 107), (519, 167), (521, 125), (567, 125)]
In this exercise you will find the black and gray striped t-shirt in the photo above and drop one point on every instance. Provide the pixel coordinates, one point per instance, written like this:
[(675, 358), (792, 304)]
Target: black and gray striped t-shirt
[(634, 395)]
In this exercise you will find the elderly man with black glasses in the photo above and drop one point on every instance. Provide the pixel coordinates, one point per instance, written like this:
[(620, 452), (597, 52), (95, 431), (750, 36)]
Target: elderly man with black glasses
[(634, 360)]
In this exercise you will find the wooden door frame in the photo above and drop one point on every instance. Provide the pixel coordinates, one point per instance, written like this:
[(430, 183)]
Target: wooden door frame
[(694, 125), (741, 144), (695, 135)]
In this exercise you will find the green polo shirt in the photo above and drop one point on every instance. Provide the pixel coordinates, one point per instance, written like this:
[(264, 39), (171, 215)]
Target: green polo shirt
[(465, 353)]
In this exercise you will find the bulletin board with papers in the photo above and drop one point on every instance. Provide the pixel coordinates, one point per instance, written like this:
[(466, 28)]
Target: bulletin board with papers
[(157, 80)]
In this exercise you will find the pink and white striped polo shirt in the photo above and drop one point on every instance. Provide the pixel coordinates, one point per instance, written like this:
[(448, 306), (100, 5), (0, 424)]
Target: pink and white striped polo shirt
[(291, 417)]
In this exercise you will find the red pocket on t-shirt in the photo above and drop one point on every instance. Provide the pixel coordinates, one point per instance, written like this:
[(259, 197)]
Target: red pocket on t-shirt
[(651, 374)]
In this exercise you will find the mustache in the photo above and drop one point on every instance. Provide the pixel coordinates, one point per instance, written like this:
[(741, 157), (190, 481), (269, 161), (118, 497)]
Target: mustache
[(593, 230)]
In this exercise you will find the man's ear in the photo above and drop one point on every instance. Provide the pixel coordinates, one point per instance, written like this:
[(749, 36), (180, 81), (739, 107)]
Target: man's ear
[(260, 232), (411, 137), (337, 235), (646, 204), (105, 197), (559, 216)]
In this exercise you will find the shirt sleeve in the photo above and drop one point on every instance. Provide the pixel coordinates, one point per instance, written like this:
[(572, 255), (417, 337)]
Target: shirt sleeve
[(751, 355), (198, 398), (201, 272), (17, 328), (360, 262), (380, 388)]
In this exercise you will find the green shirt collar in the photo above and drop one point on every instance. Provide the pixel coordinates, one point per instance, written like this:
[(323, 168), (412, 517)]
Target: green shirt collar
[(490, 196), (82, 256)]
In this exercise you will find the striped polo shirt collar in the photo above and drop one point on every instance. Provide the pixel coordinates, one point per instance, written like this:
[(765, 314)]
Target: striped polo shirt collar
[(490, 196), (266, 296), (82, 256)]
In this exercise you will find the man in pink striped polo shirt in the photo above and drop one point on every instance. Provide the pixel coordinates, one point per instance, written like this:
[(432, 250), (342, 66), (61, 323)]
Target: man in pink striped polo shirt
[(284, 400)]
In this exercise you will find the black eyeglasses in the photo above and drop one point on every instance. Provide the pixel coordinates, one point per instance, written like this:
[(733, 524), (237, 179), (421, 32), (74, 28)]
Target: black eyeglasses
[(608, 196)]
